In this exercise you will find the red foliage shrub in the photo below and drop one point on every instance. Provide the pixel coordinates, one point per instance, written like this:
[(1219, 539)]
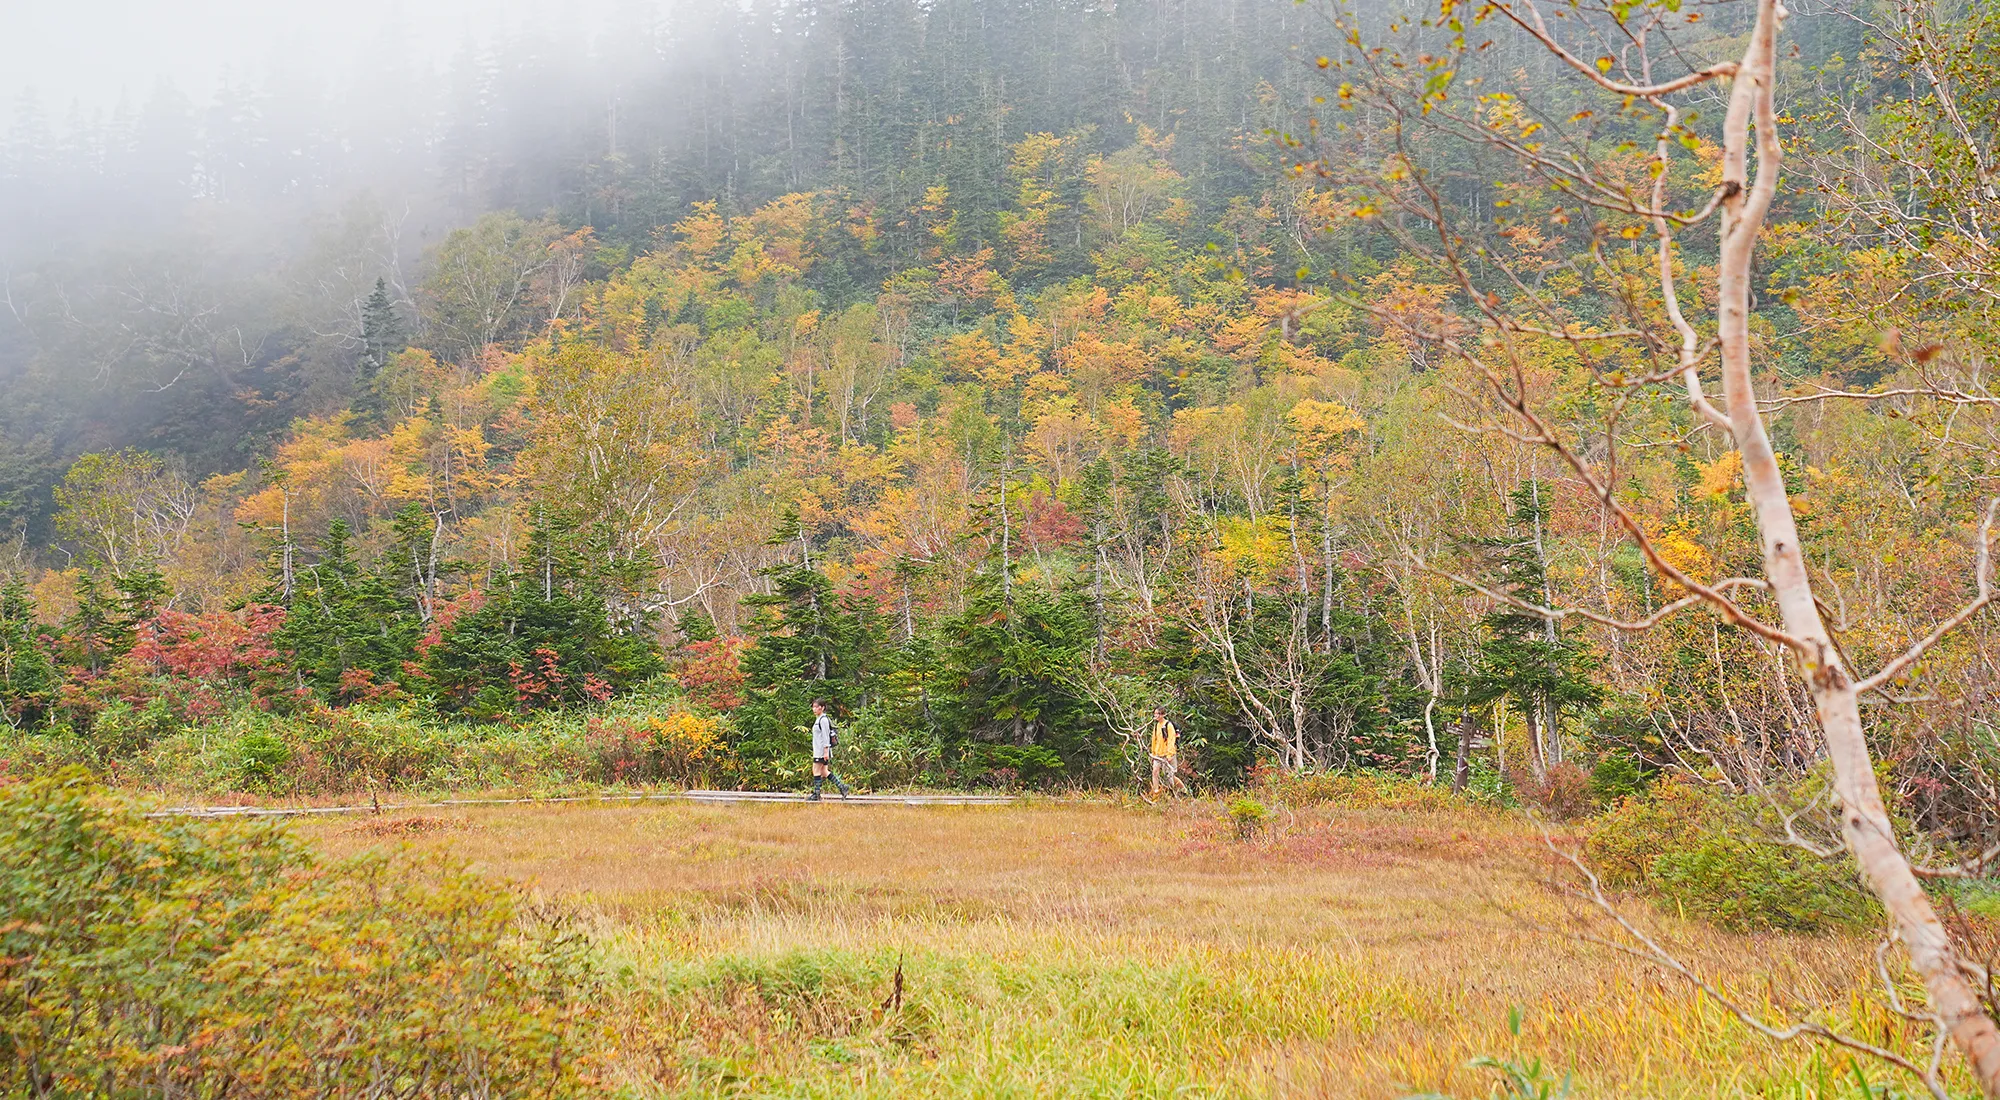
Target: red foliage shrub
[(1564, 793), (679, 748), (211, 648), (540, 685), (447, 613), (189, 661), (1052, 524), (711, 672), (358, 685)]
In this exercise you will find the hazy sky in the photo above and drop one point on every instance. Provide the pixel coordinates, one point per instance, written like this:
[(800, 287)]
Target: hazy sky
[(90, 50)]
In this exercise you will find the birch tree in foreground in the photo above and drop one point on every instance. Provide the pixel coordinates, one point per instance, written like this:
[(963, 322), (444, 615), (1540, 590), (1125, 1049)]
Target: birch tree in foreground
[(1675, 200)]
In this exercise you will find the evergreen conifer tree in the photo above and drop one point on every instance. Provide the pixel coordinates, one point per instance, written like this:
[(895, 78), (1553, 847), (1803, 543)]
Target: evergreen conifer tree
[(382, 337), (543, 638), (29, 681), (694, 625), (1539, 668), (105, 624), (90, 634), (346, 629), (413, 567), (805, 646), (142, 592), (1013, 659)]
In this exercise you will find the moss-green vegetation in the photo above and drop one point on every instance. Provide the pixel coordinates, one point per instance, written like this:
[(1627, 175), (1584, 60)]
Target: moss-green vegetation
[(158, 956)]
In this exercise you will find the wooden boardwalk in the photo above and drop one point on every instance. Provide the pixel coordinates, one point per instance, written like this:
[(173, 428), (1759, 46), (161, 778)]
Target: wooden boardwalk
[(830, 799)]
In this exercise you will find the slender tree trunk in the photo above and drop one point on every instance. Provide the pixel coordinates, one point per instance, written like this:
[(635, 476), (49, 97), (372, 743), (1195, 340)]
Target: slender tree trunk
[(1545, 730), (1006, 532), (1097, 591), (286, 550), (1326, 583), (1538, 764), (1304, 574), (1865, 823), (1461, 765)]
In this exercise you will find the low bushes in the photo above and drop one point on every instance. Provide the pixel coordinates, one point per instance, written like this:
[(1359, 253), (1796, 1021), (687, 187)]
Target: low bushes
[(185, 957), (678, 748), (649, 738), (1706, 853), (1248, 815), (1563, 793)]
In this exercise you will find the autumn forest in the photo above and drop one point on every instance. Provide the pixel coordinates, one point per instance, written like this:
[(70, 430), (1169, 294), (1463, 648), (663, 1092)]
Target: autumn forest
[(1551, 437), (993, 397)]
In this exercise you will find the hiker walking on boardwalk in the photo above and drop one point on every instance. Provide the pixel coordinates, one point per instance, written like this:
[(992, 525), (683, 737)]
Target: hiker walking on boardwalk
[(824, 739), (1165, 750)]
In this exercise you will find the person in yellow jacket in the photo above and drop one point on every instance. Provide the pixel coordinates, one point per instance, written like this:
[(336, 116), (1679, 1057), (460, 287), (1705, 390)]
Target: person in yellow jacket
[(1166, 750)]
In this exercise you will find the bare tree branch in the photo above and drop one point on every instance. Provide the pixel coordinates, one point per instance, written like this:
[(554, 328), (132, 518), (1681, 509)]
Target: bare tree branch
[(1983, 570), (1650, 950)]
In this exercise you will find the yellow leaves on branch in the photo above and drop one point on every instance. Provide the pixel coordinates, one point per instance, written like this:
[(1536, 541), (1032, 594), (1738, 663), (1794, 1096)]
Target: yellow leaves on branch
[(1505, 114), (1260, 549), (1325, 428), (1124, 423), (1098, 364), (1722, 477), (1276, 316), (322, 472), (1042, 164), (1411, 309), (1677, 546), (772, 241), (701, 233), (615, 438), (971, 280), (973, 357), (1063, 439), (1132, 184)]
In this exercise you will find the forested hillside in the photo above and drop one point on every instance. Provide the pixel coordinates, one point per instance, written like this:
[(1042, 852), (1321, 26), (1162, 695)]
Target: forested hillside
[(188, 276), (995, 370)]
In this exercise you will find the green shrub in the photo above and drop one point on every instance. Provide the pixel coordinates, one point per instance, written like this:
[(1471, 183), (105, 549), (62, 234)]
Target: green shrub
[(1617, 776), (1486, 785), (261, 759), (123, 729), (876, 751), (650, 736), (1707, 854), (1248, 815), (196, 957)]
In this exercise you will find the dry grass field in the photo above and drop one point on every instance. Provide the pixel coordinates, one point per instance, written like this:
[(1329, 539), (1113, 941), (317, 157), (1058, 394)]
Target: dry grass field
[(1099, 949)]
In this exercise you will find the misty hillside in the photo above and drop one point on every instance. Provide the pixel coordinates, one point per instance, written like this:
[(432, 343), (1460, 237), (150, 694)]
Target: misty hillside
[(187, 276)]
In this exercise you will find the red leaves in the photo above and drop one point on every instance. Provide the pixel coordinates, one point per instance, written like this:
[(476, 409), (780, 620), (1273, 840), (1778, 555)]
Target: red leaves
[(358, 685), (448, 612), (1052, 524), (541, 685), (710, 672), (211, 648)]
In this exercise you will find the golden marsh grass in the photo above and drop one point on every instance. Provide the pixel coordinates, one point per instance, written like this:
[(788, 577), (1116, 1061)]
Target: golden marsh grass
[(1059, 948)]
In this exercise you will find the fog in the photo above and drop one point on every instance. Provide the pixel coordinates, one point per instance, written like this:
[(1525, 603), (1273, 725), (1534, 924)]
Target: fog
[(94, 54), (122, 116)]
